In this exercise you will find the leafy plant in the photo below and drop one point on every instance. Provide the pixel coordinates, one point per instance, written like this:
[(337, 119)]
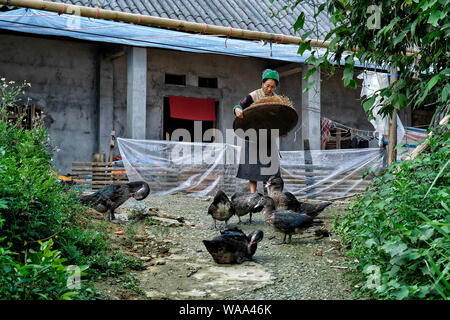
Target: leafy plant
[(37, 213), (32, 202), (43, 276), (401, 228), (410, 37)]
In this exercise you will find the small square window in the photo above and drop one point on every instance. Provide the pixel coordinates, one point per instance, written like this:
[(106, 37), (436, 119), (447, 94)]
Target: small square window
[(207, 82), (175, 79)]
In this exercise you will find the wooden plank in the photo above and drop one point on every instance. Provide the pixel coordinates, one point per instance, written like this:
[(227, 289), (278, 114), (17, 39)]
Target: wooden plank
[(95, 169), (104, 164), (102, 183), (99, 176)]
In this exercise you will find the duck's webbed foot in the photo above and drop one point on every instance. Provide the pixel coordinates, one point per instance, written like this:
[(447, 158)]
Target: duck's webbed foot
[(224, 225), (290, 239), (112, 218), (214, 226), (281, 242)]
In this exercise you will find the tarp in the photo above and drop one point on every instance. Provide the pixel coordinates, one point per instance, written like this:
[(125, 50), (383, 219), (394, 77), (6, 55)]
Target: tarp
[(201, 169), (53, 24), (412, 138)]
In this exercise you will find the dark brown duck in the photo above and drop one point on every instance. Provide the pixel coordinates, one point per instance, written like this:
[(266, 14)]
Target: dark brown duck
[(221, 208), (233, 246), (287, 222), (287, 201), (245, 203), (110, 197)]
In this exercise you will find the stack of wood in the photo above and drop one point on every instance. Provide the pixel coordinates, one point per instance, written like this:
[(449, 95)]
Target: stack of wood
[(95, 175)]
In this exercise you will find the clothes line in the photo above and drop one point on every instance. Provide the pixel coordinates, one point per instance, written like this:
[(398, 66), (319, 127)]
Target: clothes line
[(364, 134)]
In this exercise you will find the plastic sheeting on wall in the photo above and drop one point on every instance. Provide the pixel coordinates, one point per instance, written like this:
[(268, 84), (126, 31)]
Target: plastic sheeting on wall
[(201, 169)]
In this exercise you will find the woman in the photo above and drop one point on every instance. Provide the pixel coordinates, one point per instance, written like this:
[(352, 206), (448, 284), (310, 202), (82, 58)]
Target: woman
[(252, 171)]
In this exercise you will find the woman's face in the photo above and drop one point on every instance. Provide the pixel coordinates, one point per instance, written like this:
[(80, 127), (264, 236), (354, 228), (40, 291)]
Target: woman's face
[(269, 87)]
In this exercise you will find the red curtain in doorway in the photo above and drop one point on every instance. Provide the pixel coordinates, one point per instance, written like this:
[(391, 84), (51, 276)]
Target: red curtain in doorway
[(192, 108)]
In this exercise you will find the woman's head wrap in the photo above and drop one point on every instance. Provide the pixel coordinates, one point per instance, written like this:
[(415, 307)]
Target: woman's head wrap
[(270, 74)]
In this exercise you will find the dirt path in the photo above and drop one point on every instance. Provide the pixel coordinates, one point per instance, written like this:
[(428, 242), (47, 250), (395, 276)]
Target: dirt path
[(309, 268)]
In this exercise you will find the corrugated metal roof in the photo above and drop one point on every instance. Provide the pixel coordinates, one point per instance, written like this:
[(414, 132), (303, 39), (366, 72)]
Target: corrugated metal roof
[(258, 15)]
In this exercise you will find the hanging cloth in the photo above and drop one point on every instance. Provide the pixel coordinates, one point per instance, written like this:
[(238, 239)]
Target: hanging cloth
[(192, 108)]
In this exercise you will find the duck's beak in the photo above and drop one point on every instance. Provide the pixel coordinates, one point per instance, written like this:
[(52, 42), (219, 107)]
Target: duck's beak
[(258, 207), (267, 186)]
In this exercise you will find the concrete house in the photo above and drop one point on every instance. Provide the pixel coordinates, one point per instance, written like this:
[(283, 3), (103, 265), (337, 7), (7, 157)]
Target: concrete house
[(88, 85)]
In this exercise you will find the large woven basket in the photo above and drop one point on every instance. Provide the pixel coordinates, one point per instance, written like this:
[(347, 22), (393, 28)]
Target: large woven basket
[(267, 115)]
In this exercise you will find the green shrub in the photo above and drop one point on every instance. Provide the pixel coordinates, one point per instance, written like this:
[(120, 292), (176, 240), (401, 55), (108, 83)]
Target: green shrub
[(35, 207), (33, 204), (398, 231), (42, 277), (79, 244)]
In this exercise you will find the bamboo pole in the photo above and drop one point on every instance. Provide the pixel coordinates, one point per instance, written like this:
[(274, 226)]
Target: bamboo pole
[(180, 25), (392, 153), (158, 22)]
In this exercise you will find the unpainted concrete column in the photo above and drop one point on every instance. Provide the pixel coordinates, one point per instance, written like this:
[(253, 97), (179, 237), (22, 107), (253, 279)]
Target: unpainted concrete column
[(106, 105), (311, 109), (136, 92)]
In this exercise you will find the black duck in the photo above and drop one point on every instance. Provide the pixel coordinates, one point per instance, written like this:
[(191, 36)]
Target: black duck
[(245, 203), (233, 246), (287, 201), (286, 221), (110, 197), (221, 208)]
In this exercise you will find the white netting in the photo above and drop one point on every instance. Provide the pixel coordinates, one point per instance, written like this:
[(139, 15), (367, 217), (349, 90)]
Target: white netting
[(203, 168)]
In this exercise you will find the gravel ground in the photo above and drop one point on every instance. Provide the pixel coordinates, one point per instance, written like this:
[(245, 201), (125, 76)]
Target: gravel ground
[(309, 268)]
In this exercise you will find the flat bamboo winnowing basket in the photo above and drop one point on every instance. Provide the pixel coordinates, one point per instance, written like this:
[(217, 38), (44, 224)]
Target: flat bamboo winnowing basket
[(275, 112)]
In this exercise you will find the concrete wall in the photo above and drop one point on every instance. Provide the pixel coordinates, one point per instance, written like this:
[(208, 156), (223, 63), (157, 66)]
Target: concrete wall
[(342, 104), (63, 76), (236, 78)]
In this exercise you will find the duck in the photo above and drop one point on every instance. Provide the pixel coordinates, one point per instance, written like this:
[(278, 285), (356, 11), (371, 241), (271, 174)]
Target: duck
[(287, 201), (221, 208), (244, 203), (233, 246), (287, 222), (110, 197)]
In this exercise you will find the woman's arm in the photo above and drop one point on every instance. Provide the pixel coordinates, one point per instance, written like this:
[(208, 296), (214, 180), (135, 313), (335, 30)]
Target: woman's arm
[(244, 103)]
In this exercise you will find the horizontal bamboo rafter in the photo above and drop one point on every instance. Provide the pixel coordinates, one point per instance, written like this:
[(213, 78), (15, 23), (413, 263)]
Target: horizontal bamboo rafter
[(181, 25)]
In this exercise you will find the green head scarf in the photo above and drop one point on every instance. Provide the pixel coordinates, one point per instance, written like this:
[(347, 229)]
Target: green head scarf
[(270, 74)]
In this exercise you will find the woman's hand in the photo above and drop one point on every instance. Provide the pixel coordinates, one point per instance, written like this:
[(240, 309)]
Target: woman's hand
[(239, 113)]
